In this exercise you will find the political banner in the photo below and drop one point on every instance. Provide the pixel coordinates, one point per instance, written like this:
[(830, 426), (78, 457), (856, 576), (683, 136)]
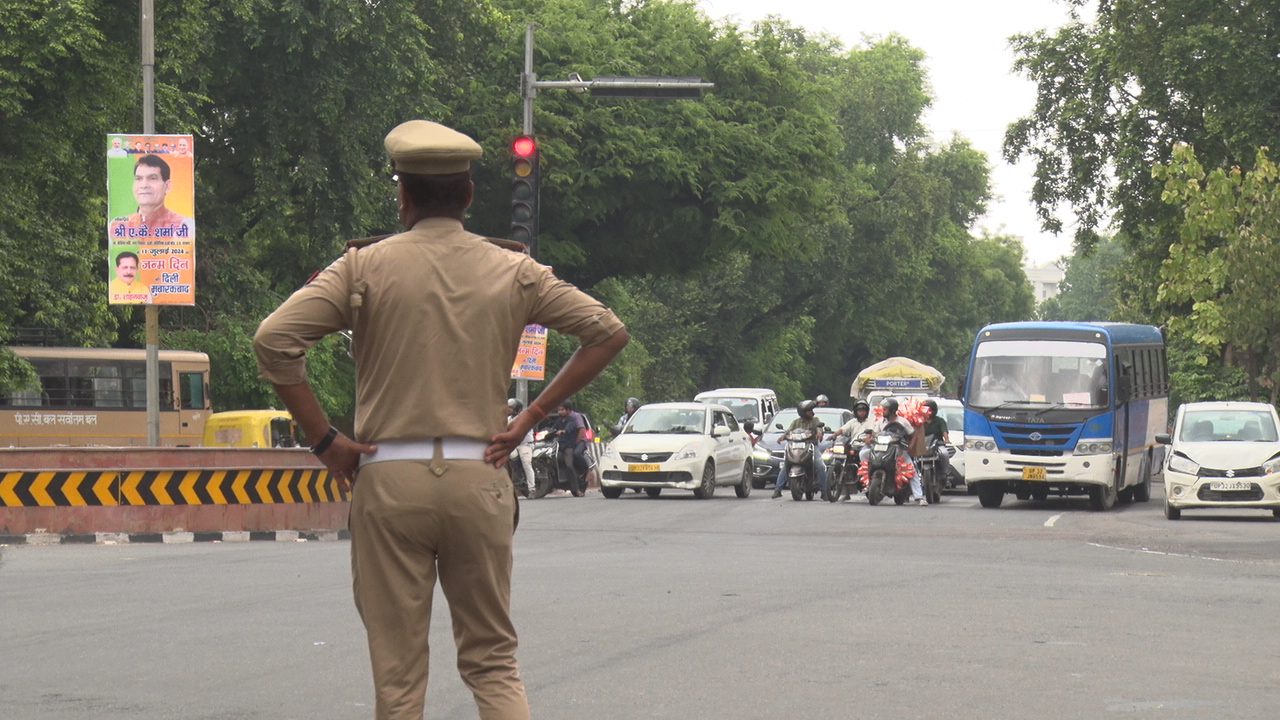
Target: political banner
[(531, 358), (151, 227)]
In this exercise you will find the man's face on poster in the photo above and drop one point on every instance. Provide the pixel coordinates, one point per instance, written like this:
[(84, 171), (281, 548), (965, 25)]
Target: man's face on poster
[(149, 188), (115, 143), (182, 146), (126, 269)]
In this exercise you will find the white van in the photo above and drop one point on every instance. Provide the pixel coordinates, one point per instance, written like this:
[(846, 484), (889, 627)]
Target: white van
[(755, 405)]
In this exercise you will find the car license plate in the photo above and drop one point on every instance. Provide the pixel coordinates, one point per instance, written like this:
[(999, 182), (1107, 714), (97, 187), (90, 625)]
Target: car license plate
[(1230, 485), (1033, 473), (647, 467)]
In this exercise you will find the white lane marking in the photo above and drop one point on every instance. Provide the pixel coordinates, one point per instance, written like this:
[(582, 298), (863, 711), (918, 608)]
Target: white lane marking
[(1172, 554), (1052, 520)]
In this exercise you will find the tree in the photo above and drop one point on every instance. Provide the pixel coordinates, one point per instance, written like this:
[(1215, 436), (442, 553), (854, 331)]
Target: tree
[(1089, 287), (1224, 263)]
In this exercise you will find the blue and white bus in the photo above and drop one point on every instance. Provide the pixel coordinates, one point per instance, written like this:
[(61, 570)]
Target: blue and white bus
[(1065, 409)]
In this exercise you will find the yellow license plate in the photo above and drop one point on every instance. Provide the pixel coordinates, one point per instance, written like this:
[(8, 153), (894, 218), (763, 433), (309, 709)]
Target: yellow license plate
[(647, 467), (1033, 473)]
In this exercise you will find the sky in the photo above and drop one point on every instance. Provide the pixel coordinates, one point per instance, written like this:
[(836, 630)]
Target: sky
[(969, 64)]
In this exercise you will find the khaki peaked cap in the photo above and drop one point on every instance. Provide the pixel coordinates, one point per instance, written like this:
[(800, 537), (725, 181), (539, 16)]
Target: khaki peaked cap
[(421, 147)]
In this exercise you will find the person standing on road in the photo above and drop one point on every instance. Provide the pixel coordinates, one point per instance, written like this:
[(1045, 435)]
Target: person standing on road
[(436, 315), (525, 449)]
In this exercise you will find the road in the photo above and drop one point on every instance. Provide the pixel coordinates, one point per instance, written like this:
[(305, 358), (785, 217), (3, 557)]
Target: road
[(678, 608)]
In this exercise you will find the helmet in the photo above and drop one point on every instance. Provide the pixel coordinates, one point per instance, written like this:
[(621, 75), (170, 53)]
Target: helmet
[(932, 405), (889, 405), (861, 405), (822, 399), (632, 404), (806, 408), (515, 404)]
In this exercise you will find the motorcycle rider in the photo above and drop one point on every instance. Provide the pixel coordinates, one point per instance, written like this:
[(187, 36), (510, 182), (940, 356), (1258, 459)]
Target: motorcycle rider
[(571, 434), (891, 423), (807, 420), (822, 401), (525, 449), (859, 428), (935, 432), (629, 408)]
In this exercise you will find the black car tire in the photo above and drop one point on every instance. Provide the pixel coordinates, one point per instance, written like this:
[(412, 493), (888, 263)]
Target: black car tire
[(707, 487), (653, 492), (612, 493), (743, 488)]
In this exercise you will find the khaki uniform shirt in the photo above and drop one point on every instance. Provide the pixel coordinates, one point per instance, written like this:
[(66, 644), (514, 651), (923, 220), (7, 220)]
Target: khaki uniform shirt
[(436, 329)]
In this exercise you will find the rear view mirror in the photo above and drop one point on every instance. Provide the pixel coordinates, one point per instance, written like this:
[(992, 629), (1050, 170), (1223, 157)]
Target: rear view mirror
[(1163, 438)]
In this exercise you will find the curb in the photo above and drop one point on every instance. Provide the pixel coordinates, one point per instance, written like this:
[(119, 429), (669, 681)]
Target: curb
[(229, 536)]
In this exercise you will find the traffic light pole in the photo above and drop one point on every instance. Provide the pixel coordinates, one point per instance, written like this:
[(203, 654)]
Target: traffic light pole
[(653, 88)]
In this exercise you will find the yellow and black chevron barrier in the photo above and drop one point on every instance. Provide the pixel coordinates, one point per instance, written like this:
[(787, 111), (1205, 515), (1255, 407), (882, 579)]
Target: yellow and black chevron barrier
[(167, 487)]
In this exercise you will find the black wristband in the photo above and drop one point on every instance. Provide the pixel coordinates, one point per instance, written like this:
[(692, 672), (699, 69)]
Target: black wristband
[(319, 448)]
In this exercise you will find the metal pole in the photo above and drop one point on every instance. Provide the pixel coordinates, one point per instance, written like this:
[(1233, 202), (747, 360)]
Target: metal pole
[(527, 92), (152, 312)]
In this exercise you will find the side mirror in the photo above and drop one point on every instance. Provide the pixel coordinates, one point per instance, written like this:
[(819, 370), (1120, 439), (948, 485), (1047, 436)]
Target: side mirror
[(779, 426), (1163, 438), (719, 431)]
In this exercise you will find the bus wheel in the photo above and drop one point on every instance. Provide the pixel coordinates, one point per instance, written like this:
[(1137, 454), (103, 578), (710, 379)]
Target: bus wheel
[(1102, 497), (990, 495), (1142, 491)]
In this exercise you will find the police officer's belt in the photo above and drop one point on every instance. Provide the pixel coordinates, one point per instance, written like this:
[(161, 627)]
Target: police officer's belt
[(451, 448)]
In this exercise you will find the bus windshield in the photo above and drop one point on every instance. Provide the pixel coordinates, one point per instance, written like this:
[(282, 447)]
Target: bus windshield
[(1040, 372)]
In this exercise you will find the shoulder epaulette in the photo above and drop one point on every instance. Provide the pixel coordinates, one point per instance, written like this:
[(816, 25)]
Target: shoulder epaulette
[(512, 245), (364, 242)]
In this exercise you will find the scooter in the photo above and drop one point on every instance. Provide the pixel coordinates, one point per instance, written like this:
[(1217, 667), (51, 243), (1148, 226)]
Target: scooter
[(930, 481), (799, 446), (888, 472), (551, 474)]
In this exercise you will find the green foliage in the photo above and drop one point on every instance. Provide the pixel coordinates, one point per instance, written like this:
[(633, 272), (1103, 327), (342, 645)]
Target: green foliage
[(1090, 285), (1223, 265), (787, 229)]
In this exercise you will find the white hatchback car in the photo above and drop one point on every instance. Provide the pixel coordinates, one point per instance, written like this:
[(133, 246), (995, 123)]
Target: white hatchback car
[(684, 446), (1223, 455)]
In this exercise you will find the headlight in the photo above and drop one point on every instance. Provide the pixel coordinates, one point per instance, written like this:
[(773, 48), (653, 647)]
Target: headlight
[(1181, 464), (1272, 466), (610, 452), (836, 450), (1087, 447), (980, 444), (760, 454), (688, 452)]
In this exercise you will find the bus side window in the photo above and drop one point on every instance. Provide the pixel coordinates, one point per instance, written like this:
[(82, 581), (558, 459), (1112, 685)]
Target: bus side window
[(192, 384)]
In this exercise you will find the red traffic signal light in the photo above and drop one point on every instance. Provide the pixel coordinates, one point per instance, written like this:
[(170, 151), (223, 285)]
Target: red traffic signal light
[(524, 146)]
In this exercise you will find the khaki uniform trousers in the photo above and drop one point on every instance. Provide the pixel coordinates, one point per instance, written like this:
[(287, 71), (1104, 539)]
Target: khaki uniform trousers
[(411, 522)]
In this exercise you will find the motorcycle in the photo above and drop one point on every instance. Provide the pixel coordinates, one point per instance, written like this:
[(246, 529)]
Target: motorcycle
[(930, 482), (888, 471), (799, 446), (842, 472), (550, 474)]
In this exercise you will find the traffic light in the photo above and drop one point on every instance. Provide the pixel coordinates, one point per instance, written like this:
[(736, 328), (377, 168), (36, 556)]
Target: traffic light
[(524, 192)]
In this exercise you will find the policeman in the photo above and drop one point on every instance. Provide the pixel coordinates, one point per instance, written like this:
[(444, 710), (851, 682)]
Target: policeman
[(436, 315)]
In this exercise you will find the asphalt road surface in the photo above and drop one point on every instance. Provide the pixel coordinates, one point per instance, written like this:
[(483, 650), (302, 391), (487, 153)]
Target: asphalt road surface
[(679, 608)]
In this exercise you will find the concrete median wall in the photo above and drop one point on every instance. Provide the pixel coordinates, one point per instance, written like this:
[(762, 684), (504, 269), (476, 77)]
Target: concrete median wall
[(132, 490)]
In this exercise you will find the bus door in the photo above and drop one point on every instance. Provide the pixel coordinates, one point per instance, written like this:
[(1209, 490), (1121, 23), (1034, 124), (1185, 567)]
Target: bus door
[(193, 403)]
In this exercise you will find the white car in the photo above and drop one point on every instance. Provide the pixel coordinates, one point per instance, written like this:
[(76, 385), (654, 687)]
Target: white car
[(1223, 455), (683, 446)]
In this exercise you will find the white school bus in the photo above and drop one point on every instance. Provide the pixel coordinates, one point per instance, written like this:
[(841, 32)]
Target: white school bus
[(96, 396)]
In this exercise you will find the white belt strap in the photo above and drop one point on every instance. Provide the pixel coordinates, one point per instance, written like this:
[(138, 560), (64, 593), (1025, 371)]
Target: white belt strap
[(452, 448)]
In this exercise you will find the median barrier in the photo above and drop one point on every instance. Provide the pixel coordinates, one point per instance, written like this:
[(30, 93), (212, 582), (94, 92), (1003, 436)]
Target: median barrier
[(77, 491)]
